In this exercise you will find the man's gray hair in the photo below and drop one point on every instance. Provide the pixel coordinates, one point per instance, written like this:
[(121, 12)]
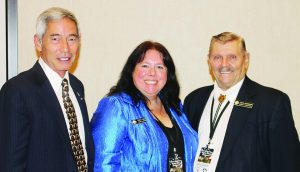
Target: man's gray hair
[(54, 13)]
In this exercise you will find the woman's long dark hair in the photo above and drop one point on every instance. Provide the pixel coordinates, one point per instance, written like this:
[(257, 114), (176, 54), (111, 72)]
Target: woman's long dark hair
[(169, 94)]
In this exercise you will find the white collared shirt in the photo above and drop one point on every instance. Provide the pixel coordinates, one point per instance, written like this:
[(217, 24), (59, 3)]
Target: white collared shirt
[(55, 81), (204, 126)]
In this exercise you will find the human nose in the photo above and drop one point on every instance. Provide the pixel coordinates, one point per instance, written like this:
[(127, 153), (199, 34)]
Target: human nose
[(224, 61), (152, 71), (65, 45)]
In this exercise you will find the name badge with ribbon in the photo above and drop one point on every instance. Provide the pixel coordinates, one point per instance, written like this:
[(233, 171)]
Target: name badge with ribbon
[(205, 156), (204, 159)]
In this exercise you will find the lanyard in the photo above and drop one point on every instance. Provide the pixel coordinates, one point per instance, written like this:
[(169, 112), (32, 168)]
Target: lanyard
[(214, 121)]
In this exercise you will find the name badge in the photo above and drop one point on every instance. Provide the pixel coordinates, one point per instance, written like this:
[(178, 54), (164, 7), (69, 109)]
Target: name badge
[(138, 121), (175, 162), (204, 159), (205, 155)]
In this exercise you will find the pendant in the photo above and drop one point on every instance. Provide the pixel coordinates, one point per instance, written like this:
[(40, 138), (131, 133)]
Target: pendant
[(175, 162)]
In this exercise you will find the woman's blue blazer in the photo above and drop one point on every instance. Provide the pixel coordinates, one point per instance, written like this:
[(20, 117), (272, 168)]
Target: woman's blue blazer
[(127, 137)]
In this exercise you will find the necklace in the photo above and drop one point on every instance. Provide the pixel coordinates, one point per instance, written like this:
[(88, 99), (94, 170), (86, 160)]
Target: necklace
[(172, 132), (175, 140)]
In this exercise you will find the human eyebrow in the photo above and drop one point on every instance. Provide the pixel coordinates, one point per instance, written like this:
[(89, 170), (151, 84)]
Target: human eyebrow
[(75, 35), (216, 57), (55, 34)]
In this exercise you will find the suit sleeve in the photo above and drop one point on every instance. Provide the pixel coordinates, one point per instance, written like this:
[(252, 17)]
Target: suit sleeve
[(183, 115), (14, 129), (283, 139), (108, 130), (186, 108)]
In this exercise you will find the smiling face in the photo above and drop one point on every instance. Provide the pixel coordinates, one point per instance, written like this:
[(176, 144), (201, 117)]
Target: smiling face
[(59, 45), (150, 75), (228, 63)]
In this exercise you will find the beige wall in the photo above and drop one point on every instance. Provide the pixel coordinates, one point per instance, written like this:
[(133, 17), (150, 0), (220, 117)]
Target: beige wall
[(112, 29)]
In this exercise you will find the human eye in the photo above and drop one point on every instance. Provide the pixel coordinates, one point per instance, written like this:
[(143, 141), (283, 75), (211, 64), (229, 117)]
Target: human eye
[(72, 39), (55, 38), (161, 67), (217, 57), (144, 65), (232, 57)]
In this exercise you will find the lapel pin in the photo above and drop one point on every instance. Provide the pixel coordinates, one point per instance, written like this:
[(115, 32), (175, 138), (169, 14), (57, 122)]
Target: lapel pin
[(244, 104), (79, 96)]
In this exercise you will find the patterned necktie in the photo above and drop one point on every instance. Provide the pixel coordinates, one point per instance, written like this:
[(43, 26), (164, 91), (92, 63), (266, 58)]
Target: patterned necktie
[(74, 132)]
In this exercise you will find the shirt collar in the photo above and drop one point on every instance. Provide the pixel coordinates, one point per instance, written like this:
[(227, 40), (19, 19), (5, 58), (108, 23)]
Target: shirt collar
[(231, 93), (53, 77)]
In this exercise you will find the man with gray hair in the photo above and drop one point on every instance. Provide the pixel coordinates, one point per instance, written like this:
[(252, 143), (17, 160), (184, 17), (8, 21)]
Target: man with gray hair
[(44, 123)]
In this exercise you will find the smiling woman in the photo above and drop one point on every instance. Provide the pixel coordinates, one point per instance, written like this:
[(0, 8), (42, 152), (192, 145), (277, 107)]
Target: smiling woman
[(144, 107)]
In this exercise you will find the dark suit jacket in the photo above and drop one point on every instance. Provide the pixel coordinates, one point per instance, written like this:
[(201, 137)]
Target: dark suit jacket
[(33, 133), (258, 139)]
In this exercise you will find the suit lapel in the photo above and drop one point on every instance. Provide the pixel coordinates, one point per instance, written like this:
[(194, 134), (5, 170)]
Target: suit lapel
[(49, 99), (80, 99), (237, 119), (78, 91), (201, 102)]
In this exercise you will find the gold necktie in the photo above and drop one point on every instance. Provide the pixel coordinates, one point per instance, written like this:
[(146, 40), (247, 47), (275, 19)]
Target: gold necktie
[(74, 132)]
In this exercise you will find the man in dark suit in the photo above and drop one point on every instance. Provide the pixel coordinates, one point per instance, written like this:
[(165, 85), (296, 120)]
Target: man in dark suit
[(37, 133), (242, 125)]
